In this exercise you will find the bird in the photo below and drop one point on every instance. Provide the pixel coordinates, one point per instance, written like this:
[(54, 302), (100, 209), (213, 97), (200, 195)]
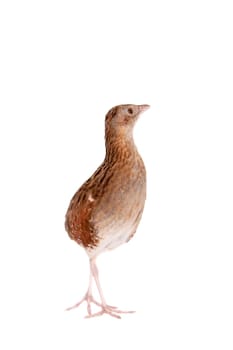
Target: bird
[(106, 210)]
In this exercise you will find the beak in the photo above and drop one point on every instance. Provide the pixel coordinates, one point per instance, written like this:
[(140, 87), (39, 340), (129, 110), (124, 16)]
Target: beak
[(143, 108)]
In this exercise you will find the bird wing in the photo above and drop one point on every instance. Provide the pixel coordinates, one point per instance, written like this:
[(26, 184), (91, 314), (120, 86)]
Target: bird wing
[(78, 223)]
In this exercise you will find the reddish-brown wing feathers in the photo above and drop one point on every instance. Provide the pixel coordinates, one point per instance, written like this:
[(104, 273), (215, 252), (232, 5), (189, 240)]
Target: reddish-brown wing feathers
[(78, 222)]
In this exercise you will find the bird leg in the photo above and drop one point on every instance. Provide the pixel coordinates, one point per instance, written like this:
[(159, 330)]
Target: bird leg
[(88, 297), (105, 308)]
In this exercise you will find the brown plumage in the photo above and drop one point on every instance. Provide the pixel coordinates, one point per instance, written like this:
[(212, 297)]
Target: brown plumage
[(106, 210)]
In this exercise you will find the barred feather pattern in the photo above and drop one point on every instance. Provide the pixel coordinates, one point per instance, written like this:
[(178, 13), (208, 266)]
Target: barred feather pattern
[(107, 209)]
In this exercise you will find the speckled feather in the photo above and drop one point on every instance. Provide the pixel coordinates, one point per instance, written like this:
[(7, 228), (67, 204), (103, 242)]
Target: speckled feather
[(107, 209)]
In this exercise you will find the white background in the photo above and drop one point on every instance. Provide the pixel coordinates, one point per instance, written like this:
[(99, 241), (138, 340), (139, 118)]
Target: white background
[(63, 64)]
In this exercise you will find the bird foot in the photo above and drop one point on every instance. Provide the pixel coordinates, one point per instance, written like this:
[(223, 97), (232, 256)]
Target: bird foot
[(105, 309), (109, 310), (89, 299)]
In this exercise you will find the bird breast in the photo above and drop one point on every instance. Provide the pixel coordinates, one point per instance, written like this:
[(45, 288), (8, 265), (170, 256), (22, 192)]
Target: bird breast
[(119, 209)]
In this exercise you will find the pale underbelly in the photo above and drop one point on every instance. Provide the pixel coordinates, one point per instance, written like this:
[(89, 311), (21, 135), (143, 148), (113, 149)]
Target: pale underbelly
[(112, 238)]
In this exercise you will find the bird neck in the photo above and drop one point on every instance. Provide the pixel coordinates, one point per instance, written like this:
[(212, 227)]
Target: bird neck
[(120, 145)]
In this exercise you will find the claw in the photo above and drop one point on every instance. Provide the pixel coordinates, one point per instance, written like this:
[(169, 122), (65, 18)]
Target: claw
[(105, 309)]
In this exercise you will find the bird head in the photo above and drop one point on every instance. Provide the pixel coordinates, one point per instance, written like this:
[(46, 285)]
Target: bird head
[(123, 117)]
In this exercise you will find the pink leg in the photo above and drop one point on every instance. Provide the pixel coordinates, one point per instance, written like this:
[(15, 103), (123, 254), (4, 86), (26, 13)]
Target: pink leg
[(88, 297), (105, 309)]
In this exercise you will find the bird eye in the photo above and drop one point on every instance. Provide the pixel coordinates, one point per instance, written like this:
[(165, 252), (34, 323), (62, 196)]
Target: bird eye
[(130, 110)]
